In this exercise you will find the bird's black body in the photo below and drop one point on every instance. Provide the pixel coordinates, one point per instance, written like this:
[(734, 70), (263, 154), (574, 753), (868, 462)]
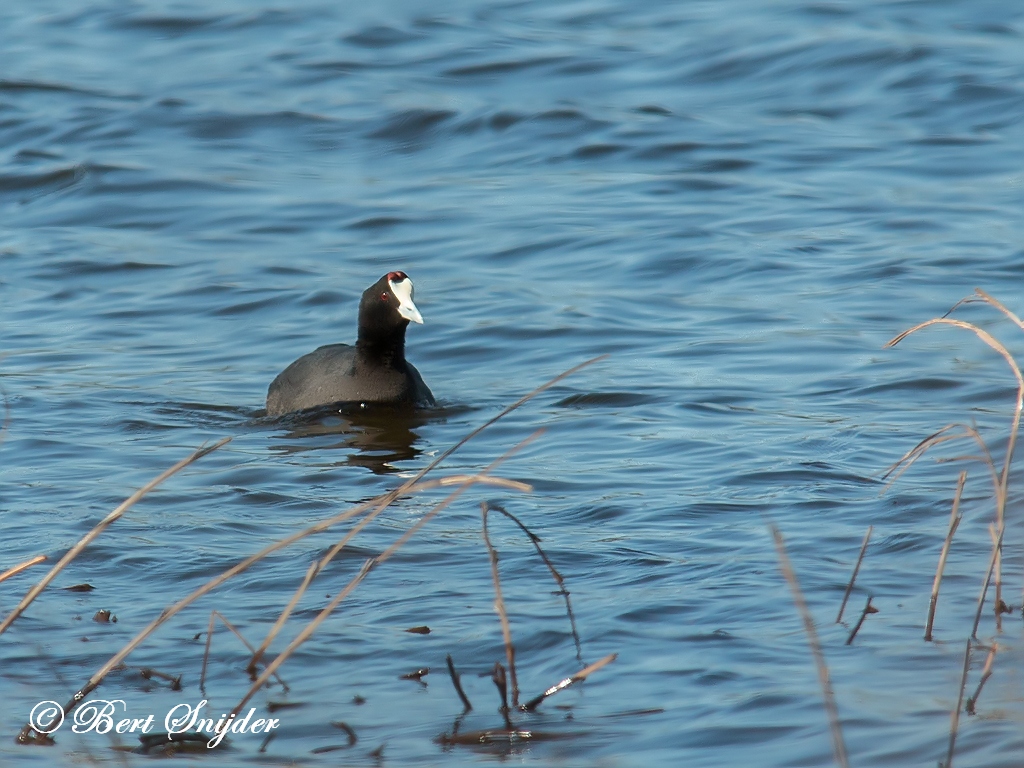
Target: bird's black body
[(373, 371)]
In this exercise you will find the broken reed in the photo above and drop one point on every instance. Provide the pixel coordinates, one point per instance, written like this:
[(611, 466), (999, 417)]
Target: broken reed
[(835, 727), (955, 516), (853, 576), (369, 510)]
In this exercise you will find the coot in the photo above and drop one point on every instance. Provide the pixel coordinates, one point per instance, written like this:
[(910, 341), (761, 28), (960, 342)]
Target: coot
[(373, 371)]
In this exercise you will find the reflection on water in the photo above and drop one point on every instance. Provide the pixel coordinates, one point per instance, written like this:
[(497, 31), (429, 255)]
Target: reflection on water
[(372, 436)]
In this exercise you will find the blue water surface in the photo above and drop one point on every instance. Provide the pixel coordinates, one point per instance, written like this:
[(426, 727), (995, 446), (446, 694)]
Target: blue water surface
[(738, 203)]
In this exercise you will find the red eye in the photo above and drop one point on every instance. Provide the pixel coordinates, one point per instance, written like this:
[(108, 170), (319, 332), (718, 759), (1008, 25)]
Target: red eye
[(383, 297)]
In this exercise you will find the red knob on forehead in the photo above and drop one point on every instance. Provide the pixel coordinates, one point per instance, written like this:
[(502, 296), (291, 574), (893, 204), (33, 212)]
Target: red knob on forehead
[(397, 277)]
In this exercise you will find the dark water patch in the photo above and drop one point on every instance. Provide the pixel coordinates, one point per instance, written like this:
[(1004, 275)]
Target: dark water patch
[(589, 66), (823, 113), (45, 182), (412, 126), (606, 399), (279, 270), (381, 36), (37, 154), (247, 307), (499, 121), (378, 222), (924, 384), (597, 151), (16, 86), (723, 165), (232, 126), (530, 249), (165, 27), (325, 298), (915, 225), (81, 267), (671, 149), (786, 478), (950, 141), (502, 67), (334, 66)]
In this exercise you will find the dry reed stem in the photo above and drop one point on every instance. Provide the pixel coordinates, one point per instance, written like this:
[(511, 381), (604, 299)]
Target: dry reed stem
[(986, 673), (7, 415), (853, 576), (905, 462), (982, 296), (500, 680), (535, 540), (317, 566), (499, 607), (1011, 442), (383, 500), (835, 728), (371, 563), (311, 572), (954, 724), (209, 638), (101, 526), (209, 586), (863, 615), (998, 606), (580, 676), (955, 517), (21, 567), (997, 545), (466, 705)]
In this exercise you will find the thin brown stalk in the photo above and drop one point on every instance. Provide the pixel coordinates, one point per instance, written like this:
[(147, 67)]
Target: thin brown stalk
[(101, 526), (998, 606), (209, 638), (22, 567), (499, 607), (921, 448), (996, 547), (982, 296), (562, 590), (863, 615), (954, 522), (317, 567), (371, 563), (986, 673), (853, 576), (27, 733), (466, 705), (904, 463), (311, 572), (1004, 477), (206, 653), (954, 724), (835, 728), (500, 680), (580, 676), (7, 416)]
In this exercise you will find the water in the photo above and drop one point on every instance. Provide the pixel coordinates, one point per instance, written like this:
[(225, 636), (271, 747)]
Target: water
[(738, 204)]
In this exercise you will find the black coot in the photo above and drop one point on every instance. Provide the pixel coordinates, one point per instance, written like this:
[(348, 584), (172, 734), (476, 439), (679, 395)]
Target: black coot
[(373, 371)]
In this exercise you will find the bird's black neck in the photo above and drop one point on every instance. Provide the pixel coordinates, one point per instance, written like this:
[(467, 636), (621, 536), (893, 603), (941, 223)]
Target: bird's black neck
[(386, 348)]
